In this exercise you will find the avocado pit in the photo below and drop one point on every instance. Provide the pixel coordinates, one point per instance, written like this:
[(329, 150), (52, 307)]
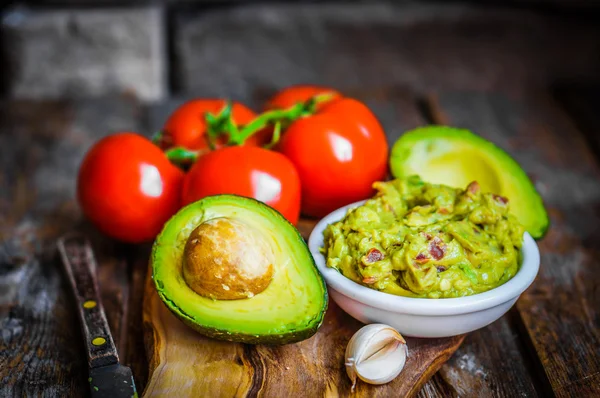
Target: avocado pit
[(227, 259)]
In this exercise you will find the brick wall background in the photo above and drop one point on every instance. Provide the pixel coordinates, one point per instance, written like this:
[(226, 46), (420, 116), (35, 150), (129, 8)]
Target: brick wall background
[(55, 49)]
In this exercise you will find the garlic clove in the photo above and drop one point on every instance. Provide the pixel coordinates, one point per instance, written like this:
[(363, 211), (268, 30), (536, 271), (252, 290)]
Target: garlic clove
[(394, 355), (376, 354)]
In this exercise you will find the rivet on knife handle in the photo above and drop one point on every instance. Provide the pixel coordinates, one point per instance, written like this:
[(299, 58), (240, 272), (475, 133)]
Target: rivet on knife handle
[(78, 260)]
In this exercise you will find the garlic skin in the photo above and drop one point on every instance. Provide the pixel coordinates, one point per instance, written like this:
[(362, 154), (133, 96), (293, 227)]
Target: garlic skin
[(376, 354)]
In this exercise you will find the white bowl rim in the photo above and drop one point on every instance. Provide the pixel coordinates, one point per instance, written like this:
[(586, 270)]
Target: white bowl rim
[(423, 306)]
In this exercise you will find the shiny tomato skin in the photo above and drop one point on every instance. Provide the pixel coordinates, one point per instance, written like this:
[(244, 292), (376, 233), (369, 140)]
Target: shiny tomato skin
[(128, 188), (186, 126), (253, 172), (339, 152), (300, 93)]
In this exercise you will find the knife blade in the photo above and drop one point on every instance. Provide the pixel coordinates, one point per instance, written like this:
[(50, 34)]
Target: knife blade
[(107, 377)]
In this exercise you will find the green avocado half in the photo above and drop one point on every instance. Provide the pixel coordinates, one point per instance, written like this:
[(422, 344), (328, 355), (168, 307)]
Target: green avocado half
[(455, 157), (290, 309)]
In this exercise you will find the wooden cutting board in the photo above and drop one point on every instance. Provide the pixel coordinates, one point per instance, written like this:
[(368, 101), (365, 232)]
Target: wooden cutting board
[(184, 363)]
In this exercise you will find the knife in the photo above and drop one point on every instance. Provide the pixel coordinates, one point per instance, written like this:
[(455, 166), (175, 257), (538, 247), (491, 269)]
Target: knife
[(108, 378)]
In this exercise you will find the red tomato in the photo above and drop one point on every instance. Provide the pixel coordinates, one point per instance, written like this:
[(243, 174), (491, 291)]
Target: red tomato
[(339, 152), (294, 94), (128, 188), (247, 171), (186, 127)]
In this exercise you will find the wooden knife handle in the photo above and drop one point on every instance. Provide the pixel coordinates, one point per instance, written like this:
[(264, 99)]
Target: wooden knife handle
[(80, 266)]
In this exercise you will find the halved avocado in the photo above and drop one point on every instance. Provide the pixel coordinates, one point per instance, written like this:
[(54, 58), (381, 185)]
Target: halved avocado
[(455, 157), (235, 269)]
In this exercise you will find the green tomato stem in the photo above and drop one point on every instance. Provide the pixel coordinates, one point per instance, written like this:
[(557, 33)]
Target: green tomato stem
[(182, 156), (220, 124), (279, 116), (275, 137)]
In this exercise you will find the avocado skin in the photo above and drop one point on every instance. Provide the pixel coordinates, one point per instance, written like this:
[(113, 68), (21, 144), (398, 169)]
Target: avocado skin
[(279, 339), (269, 339), (401, 150)]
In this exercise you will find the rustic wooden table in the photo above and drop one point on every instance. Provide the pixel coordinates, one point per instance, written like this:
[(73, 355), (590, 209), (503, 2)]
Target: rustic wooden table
[(546, 345)]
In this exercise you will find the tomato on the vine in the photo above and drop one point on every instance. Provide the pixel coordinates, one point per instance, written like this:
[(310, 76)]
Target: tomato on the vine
[(246, 171), (339, 149), (128, 188), (189, 125)]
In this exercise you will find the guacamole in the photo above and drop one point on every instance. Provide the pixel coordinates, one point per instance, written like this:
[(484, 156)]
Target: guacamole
[(424, 240)]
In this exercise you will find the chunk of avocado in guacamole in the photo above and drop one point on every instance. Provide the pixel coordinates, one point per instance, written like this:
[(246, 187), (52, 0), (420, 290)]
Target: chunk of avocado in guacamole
[(424, 240)]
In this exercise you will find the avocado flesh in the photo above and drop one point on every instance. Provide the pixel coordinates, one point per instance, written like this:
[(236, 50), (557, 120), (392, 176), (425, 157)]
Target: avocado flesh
[(455, 157), (290, 309)]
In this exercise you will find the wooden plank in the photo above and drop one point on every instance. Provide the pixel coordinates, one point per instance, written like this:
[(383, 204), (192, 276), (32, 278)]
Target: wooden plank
[(135, 355), (491, 363), (41, 145), (582, 103), (561, 311)]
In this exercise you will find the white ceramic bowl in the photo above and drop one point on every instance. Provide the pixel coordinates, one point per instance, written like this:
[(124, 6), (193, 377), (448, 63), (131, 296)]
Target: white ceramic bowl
[(421, 317)]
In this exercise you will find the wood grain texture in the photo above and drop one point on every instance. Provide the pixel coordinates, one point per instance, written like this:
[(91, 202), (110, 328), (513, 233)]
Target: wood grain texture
[(492, 362), (41, 145), (561, 311), (135, 354), (582, 103)]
